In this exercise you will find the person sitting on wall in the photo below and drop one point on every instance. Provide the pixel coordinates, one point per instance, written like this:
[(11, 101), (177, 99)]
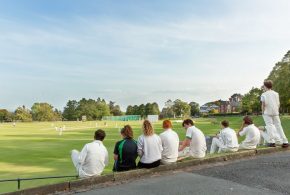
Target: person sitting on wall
[(125, 152), (251, 132), (93, 158), (225, 141), (194, 145), (170, 143), (149, 147)]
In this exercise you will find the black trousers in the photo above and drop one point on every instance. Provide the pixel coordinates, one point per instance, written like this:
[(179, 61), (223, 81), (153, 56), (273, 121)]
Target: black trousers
[(150, 165), (120, 169)]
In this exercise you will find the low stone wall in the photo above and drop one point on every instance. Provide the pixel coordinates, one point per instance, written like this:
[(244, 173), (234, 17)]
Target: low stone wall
[(123, 176)]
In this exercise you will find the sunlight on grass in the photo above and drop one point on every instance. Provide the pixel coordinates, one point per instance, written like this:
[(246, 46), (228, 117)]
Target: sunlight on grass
[(14, 168)]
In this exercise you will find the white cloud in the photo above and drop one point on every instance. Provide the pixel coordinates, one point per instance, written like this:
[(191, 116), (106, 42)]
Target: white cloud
[(190, 58)]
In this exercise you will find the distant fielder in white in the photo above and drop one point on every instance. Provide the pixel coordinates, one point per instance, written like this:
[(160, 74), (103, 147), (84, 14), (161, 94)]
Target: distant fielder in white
[(270, 109), (60, 131)]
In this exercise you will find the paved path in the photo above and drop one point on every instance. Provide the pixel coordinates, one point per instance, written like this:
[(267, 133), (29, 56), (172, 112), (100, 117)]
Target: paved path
[(268, 174)]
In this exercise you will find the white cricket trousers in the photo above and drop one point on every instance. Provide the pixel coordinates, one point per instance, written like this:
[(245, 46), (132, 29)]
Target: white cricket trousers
[(187, 153), (217, 145), (265, 138), (274, 128), (75, 159)]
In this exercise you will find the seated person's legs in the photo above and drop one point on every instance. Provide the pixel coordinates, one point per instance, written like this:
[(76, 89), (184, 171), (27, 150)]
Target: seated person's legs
[(167, 163), (216, 145), (244, 146), (184, 153), (149, 166), (75, 158)]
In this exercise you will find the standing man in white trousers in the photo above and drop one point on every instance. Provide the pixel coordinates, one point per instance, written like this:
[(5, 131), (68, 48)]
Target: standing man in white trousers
[(270, 109)]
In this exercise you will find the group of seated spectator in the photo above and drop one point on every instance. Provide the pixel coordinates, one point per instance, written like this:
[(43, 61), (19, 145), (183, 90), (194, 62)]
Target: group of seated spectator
[(154, 150)]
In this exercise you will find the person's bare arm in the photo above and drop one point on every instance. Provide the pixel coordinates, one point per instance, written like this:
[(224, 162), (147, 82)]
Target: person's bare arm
[(241, 129), (184, 144), (115, 157)]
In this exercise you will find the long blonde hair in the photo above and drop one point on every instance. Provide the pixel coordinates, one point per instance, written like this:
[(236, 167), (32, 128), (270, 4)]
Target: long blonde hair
[(147, 128)]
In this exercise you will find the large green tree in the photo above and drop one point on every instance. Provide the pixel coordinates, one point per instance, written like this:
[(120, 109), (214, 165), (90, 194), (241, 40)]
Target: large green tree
[(152, 109), (23, 114), (93, 109), (102, 109), (251, 101), (143, 110), (181, 108), (58, 115), (70, 111), (43, 112), (129, 110), (115, 110), (167, 111), (280, 75), (194, 108), (6, 116)]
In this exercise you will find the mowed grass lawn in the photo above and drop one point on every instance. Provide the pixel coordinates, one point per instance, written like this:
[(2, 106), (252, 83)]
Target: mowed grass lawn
[(36, 150)]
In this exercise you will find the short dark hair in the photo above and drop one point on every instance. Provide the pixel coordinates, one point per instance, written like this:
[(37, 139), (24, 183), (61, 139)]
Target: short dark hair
[(100, 135), (225, 123), (187, 122), (248, 120), (268, 84)]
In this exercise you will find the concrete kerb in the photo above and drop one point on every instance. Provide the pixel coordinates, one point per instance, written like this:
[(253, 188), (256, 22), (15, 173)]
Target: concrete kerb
[(53, 188), (90, 181), (193, 162), (123, 176), (271, 150)]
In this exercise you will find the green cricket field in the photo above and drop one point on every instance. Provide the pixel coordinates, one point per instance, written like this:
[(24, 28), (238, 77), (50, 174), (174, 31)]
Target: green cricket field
[(37, 149)]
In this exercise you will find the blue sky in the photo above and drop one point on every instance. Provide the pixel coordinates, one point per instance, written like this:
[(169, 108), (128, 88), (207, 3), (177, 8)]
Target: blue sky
[(134, 52)]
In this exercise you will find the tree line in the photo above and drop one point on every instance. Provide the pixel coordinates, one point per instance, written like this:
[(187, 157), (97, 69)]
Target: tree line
[(74, 110), (172, 109), (95, 110), (38, 112), (280, 75)]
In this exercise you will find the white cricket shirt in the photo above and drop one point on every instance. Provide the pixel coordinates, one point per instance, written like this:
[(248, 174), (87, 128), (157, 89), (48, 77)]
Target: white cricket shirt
[(229, 138), (252, 134), (149, 148), (198, 143), (92, 159), (170, 144), (272, 103)]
